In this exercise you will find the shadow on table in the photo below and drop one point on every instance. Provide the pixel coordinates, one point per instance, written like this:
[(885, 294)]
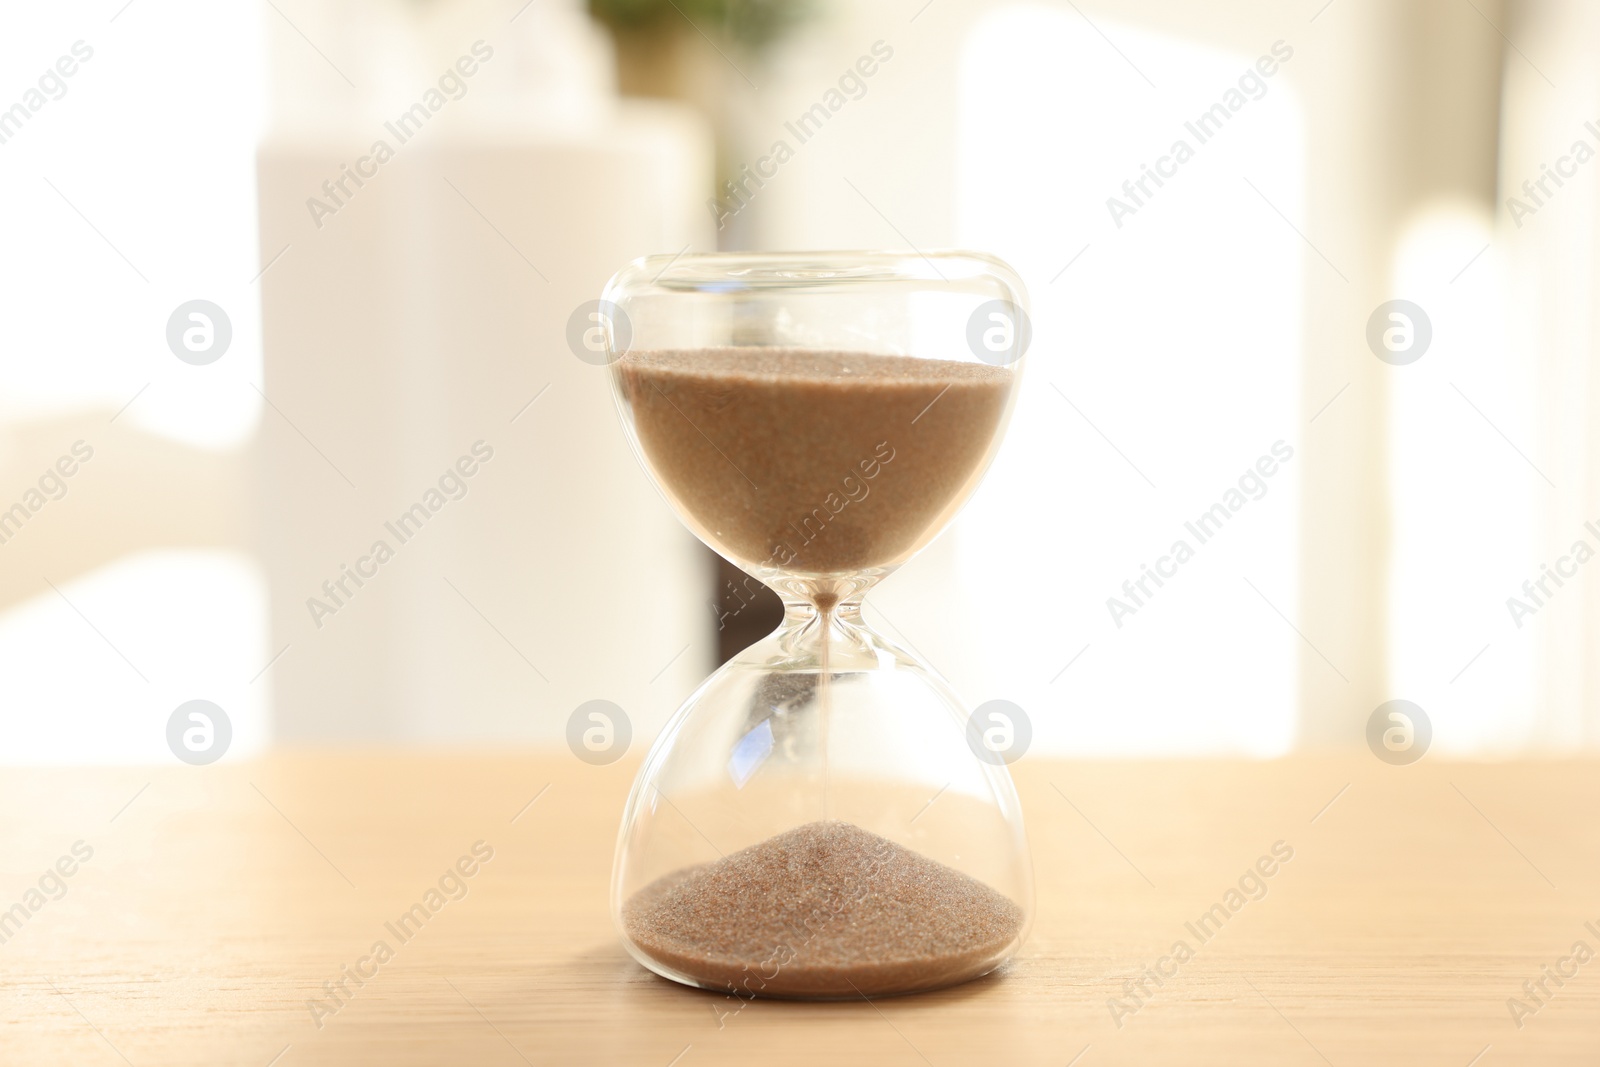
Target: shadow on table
[(610, 967)]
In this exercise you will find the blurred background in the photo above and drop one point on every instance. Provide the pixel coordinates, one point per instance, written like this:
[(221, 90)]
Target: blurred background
[(395, 206)]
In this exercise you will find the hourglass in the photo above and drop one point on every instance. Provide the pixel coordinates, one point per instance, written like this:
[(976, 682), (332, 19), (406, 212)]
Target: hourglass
[(813, 822)]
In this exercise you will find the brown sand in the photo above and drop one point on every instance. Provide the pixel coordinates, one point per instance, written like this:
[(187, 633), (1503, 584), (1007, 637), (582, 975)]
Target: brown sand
[(815, 463), (826, 910)]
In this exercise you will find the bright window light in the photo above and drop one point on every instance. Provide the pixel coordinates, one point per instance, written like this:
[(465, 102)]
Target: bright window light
[(94, 672), (1464, 493), (134, 186), (1165, 367), (139, 182)]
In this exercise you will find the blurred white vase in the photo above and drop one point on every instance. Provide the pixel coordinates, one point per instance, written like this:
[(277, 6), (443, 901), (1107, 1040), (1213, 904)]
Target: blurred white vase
[(426, 312)]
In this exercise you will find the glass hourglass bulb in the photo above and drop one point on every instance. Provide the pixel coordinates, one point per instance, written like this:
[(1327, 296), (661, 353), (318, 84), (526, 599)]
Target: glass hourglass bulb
[(812, 821)]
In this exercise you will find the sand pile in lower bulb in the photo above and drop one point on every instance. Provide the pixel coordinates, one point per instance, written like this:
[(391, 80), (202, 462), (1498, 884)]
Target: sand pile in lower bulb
[(826, 910)]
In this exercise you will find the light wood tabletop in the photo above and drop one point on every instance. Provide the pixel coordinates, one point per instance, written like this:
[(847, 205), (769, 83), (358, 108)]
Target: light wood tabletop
[(191, 915)]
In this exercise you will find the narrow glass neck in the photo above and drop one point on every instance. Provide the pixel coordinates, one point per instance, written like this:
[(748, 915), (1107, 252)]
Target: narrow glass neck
[(804, 597), (825, 632), (801, 611)]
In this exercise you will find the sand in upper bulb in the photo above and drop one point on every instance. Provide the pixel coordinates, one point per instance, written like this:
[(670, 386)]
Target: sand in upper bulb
[(814, 463)]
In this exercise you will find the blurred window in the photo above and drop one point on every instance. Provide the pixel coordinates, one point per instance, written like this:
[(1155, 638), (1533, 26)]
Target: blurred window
[(132, 186), (1149, 188)]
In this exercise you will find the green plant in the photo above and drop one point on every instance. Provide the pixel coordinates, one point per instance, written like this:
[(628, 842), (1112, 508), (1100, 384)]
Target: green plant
[(751, 23)]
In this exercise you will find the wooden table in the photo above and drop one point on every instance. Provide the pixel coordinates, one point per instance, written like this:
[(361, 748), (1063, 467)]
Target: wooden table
[(218, 900)]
